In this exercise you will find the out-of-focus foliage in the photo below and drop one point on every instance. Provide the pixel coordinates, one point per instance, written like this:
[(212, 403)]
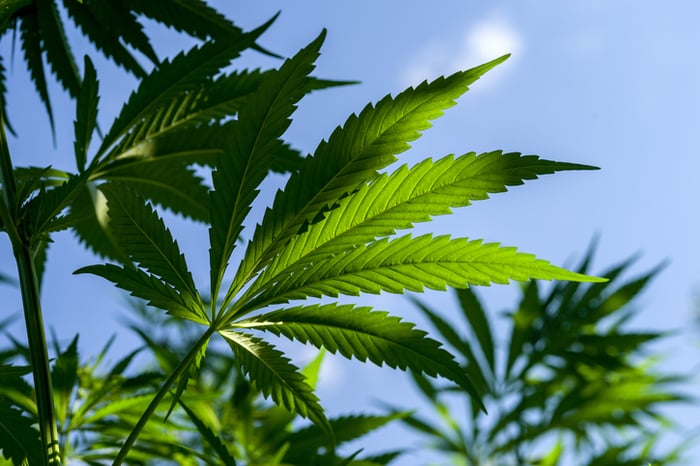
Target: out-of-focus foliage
[(569, 382), (221, 419)]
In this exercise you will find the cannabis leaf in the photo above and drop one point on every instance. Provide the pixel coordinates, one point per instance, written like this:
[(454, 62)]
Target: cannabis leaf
[(252, 148), (350, 157), (112, 27)]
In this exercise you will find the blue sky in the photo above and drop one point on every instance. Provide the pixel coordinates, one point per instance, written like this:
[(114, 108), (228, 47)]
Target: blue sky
[(611, 84)]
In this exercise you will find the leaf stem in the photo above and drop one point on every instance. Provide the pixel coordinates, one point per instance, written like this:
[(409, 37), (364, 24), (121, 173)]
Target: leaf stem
[(33, 318), (172, 378)]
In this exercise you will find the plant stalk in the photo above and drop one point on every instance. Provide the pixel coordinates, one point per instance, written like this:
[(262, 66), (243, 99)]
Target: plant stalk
[(33, 318), (39, 354), (153, 405)]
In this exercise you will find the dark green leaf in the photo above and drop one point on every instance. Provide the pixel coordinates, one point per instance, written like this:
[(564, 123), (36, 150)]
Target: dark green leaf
[(19, 441), (65, 377), (86, 113), (55, 44), (210, 436)]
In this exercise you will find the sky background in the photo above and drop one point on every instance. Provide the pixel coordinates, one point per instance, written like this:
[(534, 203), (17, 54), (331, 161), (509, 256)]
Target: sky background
[(611, 84)]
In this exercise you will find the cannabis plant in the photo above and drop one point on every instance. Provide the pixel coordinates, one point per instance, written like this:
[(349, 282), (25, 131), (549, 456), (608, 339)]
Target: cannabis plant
[(571, 384), (332, 230)]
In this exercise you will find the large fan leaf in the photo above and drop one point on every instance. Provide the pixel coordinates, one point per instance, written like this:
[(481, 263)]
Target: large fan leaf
[(275, 376), (150, 288), (412, 264), (366, 335), (254, 142), (351, 157), (171, 78), (408, 196), (141, 233)]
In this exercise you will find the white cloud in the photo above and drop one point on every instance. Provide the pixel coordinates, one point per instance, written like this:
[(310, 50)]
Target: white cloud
[(488, 39)]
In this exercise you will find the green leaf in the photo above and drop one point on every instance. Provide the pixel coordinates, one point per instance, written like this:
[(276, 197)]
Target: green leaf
[(529, 310), (475, 315), (142, 234), (168, 183), (366, 335), (249, 154), (142, 285), (484, 383), (65, 379), (276, 377), (43, 212), (8, 8), (194, 17), (171, 78), (31, 46), (19, 441), (305, 443), (413, 264), (407, 196), (91, 224), (55, 44), (312, 370), (201, 103), (8, 370), (86, 113), (351, 157), (104, 23), (216, 442), (3, 92)]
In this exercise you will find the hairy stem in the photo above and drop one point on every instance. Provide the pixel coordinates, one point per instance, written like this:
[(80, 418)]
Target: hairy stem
[(33, 318), (172, 378)]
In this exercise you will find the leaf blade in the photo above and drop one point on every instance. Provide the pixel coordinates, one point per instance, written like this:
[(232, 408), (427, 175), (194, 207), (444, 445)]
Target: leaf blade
[(366, 335), (276, 377)]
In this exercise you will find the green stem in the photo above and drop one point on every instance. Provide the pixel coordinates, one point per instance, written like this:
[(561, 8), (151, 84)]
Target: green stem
[(33, 318), (39, 354), (172, 378)]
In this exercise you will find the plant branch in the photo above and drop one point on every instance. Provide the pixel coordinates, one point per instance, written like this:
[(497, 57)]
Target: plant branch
[(172, 378)]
